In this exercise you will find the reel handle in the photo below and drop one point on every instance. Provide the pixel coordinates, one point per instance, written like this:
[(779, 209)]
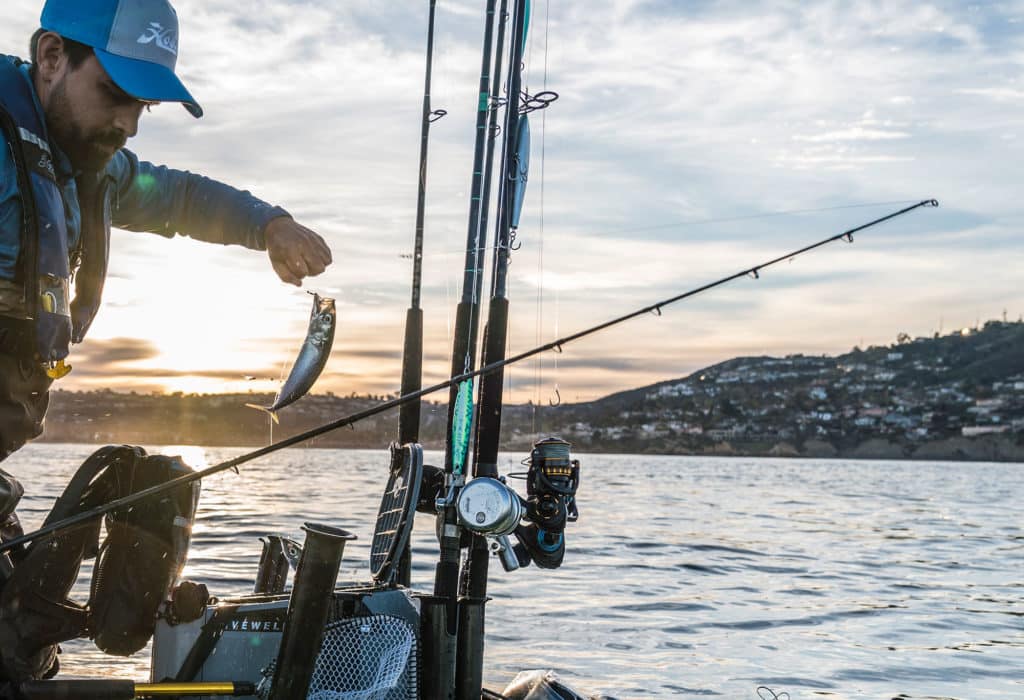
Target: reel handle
[(502, 546)]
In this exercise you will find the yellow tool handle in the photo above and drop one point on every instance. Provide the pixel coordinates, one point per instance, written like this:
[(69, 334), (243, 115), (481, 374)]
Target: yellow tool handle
[(124, 689), (157, 690)]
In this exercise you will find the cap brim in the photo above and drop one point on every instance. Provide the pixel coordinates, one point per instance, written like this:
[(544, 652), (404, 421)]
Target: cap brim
[(147, 81)]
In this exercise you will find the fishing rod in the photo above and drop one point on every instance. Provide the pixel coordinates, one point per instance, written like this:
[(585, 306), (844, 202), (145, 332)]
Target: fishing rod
[(412, 346), (412, 354), (442, 655), (351, 419), (513, 176), (492, 125)]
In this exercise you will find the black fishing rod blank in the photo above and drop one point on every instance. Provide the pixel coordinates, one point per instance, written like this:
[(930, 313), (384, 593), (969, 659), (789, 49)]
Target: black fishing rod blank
[(353, 418), (468, 310), (412, 347), (460, 400), (412, 354), (492, 125), (515, 161), (473, 598)]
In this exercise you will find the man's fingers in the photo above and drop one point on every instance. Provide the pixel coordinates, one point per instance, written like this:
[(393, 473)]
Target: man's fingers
[(325, 251), (318, 251), (284, 273), (316, 255), (298, 266), (295, 251), (315, 267)]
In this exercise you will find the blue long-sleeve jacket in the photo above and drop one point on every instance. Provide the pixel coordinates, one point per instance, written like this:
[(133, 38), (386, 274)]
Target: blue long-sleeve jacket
[(145, 197)]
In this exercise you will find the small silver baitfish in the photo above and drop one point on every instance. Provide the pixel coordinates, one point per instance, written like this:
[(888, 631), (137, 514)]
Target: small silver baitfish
[(312, 357)]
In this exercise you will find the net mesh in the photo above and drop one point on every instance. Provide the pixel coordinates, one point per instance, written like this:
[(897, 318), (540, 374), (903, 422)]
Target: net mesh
[(366, 658)]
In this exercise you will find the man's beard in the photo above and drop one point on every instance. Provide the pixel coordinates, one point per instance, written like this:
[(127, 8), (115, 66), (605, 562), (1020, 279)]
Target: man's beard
[(87, 151)]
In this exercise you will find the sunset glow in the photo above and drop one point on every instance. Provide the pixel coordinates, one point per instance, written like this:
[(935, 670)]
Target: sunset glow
[(663, 166)]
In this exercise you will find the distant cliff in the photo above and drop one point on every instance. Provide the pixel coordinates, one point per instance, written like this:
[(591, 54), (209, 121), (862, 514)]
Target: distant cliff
[(959, 396)]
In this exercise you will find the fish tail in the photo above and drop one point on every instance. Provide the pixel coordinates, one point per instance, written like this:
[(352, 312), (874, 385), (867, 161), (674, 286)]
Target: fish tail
[(265, 409)]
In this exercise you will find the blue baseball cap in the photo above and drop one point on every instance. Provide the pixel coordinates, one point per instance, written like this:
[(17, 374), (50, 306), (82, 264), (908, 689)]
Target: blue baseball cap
[(136, 42)]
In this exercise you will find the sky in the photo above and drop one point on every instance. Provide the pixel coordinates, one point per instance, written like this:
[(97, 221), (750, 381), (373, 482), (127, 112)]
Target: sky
[(691, 140)]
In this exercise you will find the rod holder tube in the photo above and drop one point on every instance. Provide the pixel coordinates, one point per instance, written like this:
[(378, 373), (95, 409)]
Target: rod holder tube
[(438, 626), (469, 670), (272, 574), (307, 610)]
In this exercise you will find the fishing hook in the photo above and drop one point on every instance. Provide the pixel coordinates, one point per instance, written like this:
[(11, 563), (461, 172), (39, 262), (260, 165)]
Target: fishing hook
[(558, 398), (437, 114), (513, 244)]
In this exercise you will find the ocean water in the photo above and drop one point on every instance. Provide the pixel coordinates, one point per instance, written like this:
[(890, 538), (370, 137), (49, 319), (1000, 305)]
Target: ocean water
[(684, 577)]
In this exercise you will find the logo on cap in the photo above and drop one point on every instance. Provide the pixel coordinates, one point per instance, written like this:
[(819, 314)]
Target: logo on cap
[(155, 34)]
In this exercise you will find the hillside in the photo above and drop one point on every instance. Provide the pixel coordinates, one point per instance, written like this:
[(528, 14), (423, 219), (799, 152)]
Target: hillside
[(959, 396)]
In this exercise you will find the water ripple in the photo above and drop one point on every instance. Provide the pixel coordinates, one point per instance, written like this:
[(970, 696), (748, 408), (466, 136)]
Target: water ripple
[(694, 577)]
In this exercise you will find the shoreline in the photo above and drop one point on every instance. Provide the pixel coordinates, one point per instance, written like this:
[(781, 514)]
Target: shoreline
[(982, 449)]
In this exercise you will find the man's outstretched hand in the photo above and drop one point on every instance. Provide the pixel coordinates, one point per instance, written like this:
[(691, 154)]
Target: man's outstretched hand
[(295, 251)]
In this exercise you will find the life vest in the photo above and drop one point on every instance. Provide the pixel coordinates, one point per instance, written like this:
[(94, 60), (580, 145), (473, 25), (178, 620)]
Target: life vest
[(46, 263)]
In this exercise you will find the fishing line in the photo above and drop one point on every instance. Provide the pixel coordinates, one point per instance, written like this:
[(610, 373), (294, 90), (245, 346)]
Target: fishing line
[(270, 418), (538, 377), (554, 345), (543, 153), (538, 371), (448, 296)]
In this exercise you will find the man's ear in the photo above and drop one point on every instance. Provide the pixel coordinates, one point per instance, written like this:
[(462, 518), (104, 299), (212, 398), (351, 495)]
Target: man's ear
[(50, 58)]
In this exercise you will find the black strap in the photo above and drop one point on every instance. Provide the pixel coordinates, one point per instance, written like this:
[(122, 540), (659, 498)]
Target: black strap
[(70, 501), (205, 643)]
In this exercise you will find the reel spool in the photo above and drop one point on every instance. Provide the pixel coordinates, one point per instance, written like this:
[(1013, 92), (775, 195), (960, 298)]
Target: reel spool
[(489, 507)]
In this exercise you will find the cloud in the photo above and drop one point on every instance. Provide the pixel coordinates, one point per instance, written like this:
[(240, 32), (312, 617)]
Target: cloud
[(681, 130), (854, 133), (116, 351), (999, 94)]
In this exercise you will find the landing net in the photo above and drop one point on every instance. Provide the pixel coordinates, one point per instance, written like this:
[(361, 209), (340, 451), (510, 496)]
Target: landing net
[(366, 658)]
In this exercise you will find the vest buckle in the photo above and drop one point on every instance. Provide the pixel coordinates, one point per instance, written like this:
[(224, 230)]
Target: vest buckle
[(56, 370)]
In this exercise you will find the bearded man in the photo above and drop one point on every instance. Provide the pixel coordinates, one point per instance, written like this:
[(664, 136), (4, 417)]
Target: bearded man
[(66, 178)]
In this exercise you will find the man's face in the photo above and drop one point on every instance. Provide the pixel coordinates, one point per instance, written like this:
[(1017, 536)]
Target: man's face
[(89, 117)]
